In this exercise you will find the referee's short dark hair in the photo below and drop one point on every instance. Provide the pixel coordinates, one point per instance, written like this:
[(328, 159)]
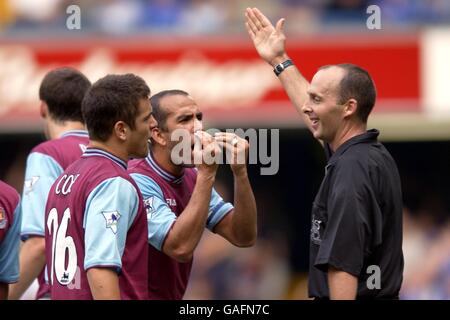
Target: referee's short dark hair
[(357, 84), (159, 114), (62, 90)]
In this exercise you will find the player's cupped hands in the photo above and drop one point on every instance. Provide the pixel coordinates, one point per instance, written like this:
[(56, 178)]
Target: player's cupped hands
[(206, 152), (236, 149), (267, 39)]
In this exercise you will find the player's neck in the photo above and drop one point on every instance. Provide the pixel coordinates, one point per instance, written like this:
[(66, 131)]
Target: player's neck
[(111, 148), (346, 133), (163, 160), (56, 129)]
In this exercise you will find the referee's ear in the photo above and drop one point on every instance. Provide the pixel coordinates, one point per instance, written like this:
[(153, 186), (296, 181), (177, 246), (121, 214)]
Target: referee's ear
[(351, 107)]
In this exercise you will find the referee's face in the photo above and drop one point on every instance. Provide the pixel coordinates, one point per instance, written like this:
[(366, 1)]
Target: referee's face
[(322, 107)]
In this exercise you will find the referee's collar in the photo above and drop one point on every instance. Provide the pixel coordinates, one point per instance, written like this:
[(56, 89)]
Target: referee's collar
[(370, 136)]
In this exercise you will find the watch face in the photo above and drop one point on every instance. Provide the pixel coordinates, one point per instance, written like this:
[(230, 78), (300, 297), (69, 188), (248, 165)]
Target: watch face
[(288, 63), (280, 67)]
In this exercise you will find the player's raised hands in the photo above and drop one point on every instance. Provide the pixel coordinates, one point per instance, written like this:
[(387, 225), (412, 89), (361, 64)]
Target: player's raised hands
[(267, 39), (236, 149), (206, 152)]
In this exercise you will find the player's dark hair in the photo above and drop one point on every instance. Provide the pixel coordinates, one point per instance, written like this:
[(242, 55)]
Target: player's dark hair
[(63, 90), (159, 113), (357, 84), (113, 98)]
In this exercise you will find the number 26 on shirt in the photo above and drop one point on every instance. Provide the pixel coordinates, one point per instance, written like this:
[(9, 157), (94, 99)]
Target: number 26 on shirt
[(60, 245)]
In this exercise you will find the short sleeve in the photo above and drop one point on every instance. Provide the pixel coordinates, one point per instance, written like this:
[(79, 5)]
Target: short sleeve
[(346, 237), (218, 208), (160, 217), (110, 211), (40, 174), (9, 250)]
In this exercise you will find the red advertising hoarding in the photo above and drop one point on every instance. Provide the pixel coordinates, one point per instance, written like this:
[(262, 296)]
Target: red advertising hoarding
[(226, 77)]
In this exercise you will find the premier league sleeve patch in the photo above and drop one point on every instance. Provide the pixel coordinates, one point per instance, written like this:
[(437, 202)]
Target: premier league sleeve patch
[(148, 203), (111, 217), (29, 184)]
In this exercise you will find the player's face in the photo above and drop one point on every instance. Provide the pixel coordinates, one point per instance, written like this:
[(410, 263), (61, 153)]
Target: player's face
[(182, 113), (138, 141), (322, 104)]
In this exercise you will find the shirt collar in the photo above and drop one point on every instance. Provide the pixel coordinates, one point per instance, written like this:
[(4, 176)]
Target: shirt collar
[(370, 136), (161, 172), (78, 133), (95, 152)]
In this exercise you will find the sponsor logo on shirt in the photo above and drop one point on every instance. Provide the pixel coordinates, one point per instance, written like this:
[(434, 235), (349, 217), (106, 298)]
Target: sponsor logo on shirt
[(111, 217)]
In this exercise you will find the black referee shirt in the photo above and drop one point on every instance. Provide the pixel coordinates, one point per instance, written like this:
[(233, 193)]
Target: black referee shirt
[(357, 220)]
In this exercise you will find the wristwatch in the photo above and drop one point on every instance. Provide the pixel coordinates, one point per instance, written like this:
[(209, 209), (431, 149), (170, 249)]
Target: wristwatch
[(280, 67)]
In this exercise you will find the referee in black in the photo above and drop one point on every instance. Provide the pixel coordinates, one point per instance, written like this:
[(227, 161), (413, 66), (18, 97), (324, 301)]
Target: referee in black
[(356, 230)]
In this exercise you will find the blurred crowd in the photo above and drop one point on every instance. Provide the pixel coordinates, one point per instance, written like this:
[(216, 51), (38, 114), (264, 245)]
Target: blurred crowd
[(426, 247), (193, 17), (222, 271)]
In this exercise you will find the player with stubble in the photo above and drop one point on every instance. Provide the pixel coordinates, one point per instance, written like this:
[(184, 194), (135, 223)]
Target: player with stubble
[(180, 199)]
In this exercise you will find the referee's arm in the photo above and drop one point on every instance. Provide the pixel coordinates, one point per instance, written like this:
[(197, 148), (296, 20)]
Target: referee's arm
[(269, 42), (342, 285)]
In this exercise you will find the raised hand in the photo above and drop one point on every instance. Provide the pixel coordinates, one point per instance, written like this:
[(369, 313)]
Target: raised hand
[(236, 148), (206, 152), (267, 39)]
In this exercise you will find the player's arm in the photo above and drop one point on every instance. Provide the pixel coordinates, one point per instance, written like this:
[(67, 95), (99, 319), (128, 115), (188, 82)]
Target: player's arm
[(42, 170), (188, 228), (342, 285), (239, 226), (110, 211), (104, 283), (269, 41), (32, 261), (178, 236), (9, 253)]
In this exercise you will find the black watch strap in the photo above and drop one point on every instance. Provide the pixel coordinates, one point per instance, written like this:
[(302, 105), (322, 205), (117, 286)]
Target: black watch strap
[(280, 67)]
